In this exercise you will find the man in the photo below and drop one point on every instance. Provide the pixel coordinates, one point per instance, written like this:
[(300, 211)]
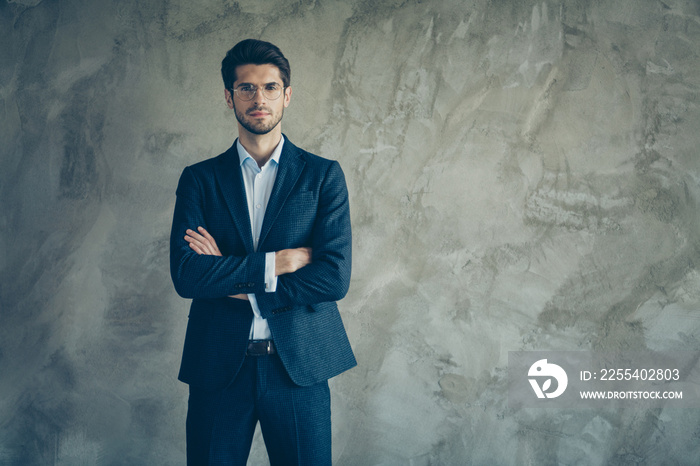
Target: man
[(261, 243)]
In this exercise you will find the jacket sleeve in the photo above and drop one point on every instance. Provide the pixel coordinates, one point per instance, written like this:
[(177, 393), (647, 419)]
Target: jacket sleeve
[(204, 276), (327, 277)]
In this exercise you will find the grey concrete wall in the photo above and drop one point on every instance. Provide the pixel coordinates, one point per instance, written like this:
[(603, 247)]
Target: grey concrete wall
[(523, 175)]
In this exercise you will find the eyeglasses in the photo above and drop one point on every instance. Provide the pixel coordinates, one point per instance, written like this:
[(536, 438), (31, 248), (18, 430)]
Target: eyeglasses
[(271, 91)]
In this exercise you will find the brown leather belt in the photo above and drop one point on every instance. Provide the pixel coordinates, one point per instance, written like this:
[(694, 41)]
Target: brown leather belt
[(260, 348)]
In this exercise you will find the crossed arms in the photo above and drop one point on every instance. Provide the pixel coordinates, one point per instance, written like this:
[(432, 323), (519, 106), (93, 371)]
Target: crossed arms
[(286, 260)]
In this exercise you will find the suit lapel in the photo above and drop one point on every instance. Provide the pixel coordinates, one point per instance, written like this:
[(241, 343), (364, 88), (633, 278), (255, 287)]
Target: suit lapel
[(230, 180), (290, 167)]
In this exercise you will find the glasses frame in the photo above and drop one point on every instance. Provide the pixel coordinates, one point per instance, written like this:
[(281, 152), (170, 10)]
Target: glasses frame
[(264, 91)]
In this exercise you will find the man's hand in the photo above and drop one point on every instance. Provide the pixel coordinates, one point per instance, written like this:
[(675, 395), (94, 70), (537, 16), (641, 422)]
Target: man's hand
[(204, 243), (291, 260)]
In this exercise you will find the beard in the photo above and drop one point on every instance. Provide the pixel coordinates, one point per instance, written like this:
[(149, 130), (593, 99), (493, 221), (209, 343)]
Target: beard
[(258, 127)]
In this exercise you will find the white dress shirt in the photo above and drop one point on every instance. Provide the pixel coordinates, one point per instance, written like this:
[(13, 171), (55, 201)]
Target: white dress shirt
[(258, 187)]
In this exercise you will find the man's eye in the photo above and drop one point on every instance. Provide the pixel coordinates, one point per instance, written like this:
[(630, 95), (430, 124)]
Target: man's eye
[(272, 87), (245, 88)]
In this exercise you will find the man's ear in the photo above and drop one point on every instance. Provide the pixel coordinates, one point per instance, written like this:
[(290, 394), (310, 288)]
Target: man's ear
[(229, 98), (287, 95)]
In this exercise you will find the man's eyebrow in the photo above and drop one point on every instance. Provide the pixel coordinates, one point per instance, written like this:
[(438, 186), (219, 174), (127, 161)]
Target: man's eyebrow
[(266, 84)]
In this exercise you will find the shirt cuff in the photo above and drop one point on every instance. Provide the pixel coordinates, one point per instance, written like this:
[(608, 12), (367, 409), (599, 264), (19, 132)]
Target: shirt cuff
[(270, 277)]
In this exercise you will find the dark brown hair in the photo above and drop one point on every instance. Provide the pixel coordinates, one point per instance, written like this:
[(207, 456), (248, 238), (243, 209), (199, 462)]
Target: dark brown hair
[(254, 52)]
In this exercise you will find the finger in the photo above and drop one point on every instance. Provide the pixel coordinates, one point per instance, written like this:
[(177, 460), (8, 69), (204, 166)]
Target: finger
[(206, 234), (210, 239), (192, 239), (204, 243), (194, 242), (196, 236), (196, 249), (202, 247)]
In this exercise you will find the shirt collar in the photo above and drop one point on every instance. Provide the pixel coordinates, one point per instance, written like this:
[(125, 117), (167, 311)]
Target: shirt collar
[(243, 154)]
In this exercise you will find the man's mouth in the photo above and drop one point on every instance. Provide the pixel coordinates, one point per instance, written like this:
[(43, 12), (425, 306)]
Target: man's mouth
[(258, 113)]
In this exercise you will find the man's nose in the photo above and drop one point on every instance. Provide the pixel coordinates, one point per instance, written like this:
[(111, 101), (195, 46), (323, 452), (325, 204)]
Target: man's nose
[(259, 96)]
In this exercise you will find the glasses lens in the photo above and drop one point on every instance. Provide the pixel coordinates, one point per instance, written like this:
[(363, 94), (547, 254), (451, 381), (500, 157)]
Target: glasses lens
[(272, 92)]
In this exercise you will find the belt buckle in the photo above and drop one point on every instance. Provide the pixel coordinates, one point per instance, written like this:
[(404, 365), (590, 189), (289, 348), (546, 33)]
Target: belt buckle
[(260, 348)]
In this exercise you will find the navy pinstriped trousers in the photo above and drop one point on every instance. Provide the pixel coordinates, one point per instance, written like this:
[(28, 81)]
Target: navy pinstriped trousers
[(295, 421)]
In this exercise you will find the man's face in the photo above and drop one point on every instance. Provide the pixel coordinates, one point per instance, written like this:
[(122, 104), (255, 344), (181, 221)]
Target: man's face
[(259, 115)]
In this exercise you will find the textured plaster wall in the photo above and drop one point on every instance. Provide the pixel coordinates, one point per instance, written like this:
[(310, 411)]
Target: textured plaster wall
[(523, 176)]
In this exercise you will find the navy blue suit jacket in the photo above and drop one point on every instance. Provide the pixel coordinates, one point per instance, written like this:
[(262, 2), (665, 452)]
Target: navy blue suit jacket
[(308, 207)]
